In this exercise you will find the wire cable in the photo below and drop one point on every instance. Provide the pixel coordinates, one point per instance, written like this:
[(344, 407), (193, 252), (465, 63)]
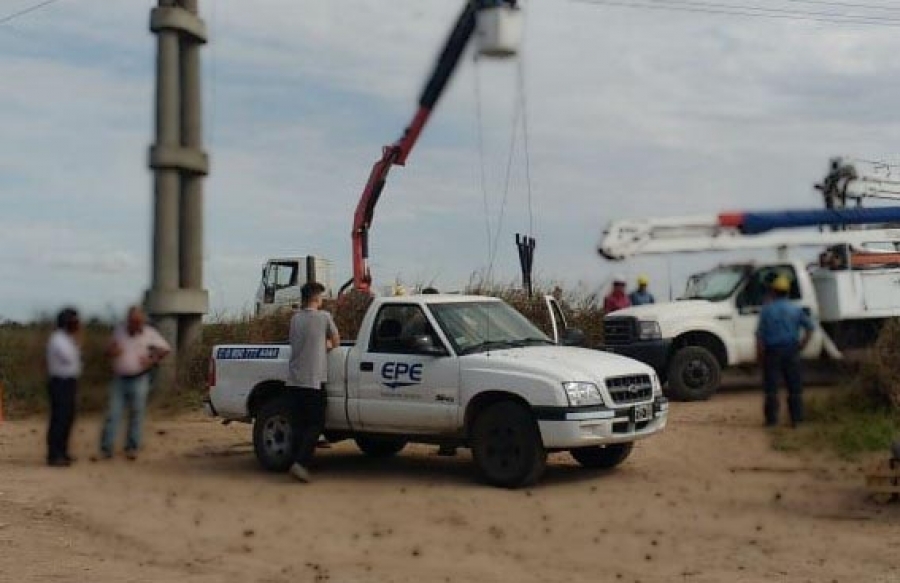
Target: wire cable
[(524, 104), (722, 9), (479, 116), (33, 8), (507, 181)]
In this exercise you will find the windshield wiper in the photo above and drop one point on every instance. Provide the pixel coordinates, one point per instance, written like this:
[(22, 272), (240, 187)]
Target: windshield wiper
[(510, 343), (488, 344), (534, 340)]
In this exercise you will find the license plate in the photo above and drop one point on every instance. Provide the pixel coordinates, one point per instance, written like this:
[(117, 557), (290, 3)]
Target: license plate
[(642, 413)]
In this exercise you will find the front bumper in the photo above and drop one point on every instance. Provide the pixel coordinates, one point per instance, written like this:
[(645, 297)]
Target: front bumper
[(653, 353), (571, 427)]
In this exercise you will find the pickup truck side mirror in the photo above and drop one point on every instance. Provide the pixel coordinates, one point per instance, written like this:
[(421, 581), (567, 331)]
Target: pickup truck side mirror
[(573, 337), (424, 344)]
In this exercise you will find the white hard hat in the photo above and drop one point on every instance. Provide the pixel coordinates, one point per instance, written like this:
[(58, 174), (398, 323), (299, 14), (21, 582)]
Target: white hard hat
[(619, 278)]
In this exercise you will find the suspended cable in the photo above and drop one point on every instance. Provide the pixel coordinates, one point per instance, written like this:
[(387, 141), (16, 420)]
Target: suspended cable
[(479, 116), (524, 105), (848, 5), (772, 10), (674, 6), (507, 181), (33, 8)]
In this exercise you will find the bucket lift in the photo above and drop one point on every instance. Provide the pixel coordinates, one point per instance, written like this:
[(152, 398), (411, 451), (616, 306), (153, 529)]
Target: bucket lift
[(497, 27)]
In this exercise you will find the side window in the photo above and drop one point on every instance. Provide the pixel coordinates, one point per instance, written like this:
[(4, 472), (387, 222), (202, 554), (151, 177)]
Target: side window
[(756, 292), (283, 275), (396, 326)]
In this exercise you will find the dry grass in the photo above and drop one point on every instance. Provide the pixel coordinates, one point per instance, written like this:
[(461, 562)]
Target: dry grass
[(23, 372), (22, 347), (879, 378)]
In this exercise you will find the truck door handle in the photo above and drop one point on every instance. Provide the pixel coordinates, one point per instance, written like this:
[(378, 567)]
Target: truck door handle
[(366, 366)]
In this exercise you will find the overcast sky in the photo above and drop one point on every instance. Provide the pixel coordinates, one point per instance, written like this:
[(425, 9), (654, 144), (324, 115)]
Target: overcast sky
[(630, 113)]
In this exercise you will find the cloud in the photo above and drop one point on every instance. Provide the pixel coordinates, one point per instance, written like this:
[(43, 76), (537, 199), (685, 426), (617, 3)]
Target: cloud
[(630, 112)]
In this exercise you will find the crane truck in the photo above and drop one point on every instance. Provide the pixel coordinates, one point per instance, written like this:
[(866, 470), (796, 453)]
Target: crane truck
[(455, 370), (850, 291)]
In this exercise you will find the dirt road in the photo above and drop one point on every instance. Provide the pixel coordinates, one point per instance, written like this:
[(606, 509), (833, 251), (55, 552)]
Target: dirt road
[(709, 501)]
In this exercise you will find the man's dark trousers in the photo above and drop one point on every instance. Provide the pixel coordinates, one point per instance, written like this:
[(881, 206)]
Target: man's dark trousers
[(309, 421), (62, 416), (784, 362)]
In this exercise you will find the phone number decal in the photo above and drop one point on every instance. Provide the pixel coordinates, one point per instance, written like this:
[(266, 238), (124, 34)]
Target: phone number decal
[(247, 353)]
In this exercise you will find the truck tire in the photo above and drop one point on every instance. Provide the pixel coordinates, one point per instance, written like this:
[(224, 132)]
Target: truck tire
[(507, 446), (602, 457), (273, 440), (694, 374), (380, 447)]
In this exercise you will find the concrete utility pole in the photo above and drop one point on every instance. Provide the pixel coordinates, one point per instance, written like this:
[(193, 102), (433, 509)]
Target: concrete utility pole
[(176, 299)]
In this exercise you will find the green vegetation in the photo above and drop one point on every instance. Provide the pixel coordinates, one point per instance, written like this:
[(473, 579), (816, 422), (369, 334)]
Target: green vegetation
[(863, 418), (843, 423)]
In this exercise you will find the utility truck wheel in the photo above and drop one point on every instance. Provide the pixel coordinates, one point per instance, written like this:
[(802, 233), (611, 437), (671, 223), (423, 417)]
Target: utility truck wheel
[(602, 457), (380, 447), (273, 436), (694, 374), (507, 447)]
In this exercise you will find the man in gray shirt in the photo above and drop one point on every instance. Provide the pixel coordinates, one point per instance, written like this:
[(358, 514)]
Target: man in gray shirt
[(312, 335)]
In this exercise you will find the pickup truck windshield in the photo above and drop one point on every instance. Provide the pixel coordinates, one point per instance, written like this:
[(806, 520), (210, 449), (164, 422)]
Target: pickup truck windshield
[(715, 285), (480, 326)]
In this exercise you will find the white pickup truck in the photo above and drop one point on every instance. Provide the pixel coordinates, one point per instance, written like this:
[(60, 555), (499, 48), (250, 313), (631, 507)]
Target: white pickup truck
[(465, 371), (689, 341)]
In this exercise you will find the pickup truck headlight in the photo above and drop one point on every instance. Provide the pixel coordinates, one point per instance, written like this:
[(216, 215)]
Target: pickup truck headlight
[(582, 394), (649, 330)]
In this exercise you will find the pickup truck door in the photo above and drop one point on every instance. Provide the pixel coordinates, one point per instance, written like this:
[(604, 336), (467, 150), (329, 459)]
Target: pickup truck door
[(558, 322), (403, 385)]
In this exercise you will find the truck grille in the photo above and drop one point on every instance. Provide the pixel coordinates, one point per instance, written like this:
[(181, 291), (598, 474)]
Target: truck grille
[(617, 331), (630, 389)]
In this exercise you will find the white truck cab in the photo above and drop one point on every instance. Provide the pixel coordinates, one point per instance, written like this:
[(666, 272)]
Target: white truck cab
[(689, 341), (282, 278), (466, 371)]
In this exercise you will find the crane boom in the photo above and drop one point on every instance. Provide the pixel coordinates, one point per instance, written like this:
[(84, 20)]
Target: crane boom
[(737, 231), (397, 153)]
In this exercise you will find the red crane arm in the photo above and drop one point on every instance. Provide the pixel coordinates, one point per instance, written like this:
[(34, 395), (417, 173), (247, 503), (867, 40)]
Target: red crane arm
[(398, 152)]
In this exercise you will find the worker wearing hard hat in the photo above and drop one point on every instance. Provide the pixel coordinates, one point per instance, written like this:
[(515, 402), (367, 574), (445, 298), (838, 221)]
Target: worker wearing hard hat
[(779, 344), (641, 296), (617, 299)]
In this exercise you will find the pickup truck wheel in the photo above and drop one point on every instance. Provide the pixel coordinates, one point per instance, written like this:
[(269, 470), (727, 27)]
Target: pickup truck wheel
[(602, 456), (694, 374), (507, 447), (380, 447), (273, 436)]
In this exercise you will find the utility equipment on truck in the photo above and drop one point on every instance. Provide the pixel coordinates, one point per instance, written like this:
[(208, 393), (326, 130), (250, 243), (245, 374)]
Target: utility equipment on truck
[(465, 371), (850, 291), (497, 27)]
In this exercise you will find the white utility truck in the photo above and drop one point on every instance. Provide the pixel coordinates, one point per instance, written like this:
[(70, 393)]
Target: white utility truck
[(466, 371), (850, 291), (282, 278)]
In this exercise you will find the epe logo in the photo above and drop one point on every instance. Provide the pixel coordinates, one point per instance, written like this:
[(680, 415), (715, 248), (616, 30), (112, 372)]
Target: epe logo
[(401, 374)]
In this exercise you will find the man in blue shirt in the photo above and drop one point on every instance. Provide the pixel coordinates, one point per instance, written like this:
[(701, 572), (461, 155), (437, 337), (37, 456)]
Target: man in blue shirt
[(778, 346), (641, 296)]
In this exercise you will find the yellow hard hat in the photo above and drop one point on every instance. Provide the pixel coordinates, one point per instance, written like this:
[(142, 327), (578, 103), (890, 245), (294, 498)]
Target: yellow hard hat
[(643, 280), (781, 284)]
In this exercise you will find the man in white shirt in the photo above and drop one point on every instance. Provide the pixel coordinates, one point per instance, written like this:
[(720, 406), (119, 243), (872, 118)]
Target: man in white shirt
[(63, 368), (136, 348)]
